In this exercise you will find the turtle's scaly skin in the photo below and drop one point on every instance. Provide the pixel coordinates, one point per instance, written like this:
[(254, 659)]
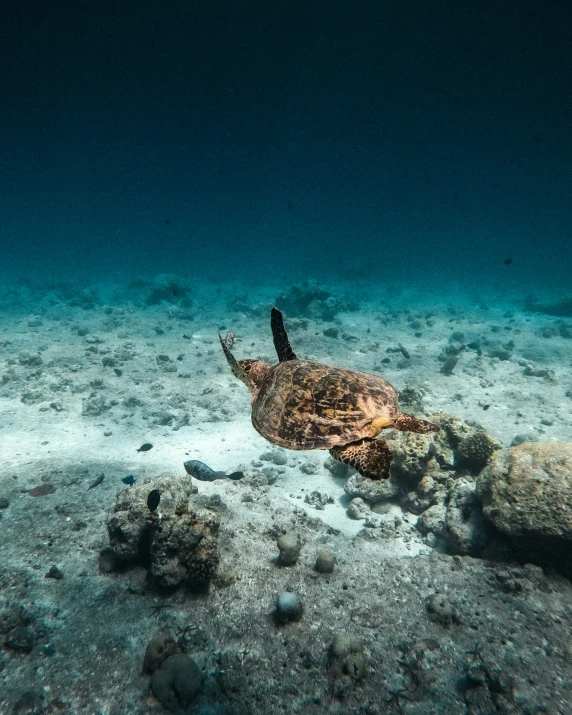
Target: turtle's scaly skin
[(306, 405)]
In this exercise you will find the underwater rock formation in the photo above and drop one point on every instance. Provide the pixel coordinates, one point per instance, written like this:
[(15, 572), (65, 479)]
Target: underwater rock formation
[(425, 466), (347, 663), (158, 650), (526, 491), (412, 456), (469, 445), (465, 531), (167, 287), (459, 523), (562, 308), (434, 476), (177, 682), (432, 520), (311, 301), (178, 543), (371, 491)]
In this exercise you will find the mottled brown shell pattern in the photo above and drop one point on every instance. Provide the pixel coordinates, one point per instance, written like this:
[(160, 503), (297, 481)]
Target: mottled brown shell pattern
[(306, 405)]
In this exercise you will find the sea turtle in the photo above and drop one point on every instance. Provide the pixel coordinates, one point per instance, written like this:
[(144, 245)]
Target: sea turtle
[(299, 404)]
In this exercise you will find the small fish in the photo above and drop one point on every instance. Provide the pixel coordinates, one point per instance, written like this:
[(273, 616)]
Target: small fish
[(145, 447), (129, 480), (199, 470), (153, 499), (508, 261), (96, 481)]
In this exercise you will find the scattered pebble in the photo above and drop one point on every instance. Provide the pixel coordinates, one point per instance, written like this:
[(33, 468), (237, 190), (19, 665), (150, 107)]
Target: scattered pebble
[(288, 607), (309, 467), (325, 562), (21, 638), (523, 437), (441, 610), (275, 456), (97, 481)]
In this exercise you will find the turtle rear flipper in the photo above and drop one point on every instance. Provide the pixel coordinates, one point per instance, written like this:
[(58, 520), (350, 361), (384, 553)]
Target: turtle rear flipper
[(370, 457), (281, 342), (408, 423)]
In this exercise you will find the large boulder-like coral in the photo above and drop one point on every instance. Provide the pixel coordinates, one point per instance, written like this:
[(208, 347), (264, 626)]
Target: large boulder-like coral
[(184, 550), (526, 492), (178, 542)]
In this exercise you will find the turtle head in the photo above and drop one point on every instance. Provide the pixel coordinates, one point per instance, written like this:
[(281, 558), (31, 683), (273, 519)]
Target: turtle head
[(254, 371), (251, 372)]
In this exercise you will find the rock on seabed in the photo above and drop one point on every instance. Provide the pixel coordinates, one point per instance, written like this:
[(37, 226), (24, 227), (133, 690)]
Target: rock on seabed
[(527, 490)]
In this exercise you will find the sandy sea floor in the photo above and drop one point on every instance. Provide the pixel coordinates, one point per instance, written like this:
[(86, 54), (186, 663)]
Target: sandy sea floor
[(89, 375)]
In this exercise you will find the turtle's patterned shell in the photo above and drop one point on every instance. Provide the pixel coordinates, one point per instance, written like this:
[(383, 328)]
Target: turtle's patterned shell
[(307, 405)]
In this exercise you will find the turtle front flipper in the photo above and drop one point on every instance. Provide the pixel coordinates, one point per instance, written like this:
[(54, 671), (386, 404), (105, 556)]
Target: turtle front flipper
[(408, 423), (237, 370), (370, 457), (281, 342)]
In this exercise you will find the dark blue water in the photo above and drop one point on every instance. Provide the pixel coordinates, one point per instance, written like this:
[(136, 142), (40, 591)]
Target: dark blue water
[(417, 140)]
